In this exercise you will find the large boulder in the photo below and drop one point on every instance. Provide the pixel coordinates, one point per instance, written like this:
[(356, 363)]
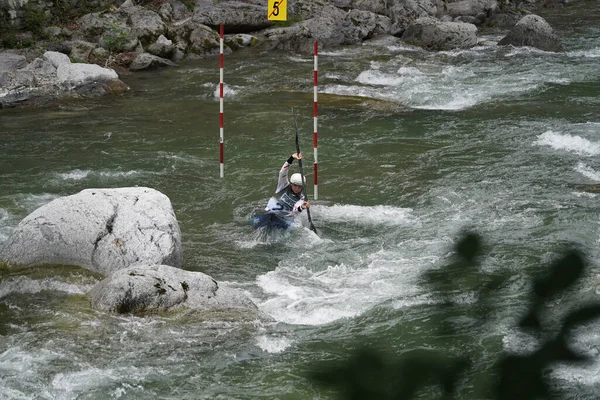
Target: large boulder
[(146, 25), (474, 11), (104, 230), (533, 30), (236, 16), (405, 12), (11, 62), (433, 34), (52, 77), (151, 288)]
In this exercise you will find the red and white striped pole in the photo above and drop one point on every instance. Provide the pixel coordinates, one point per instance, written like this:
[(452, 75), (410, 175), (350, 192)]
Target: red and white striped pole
[(315, 119), (221, 145)]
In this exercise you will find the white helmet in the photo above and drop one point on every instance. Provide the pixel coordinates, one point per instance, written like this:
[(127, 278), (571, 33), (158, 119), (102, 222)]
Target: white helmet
[(296, 179)]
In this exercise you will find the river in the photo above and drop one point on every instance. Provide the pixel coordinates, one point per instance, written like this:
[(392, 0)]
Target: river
[(415, 147)]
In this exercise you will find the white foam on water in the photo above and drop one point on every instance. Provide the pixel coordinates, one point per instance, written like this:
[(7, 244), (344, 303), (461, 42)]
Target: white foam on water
[(367, 215), (79, 175), (431, 88), (374, 77), (295, 294), (591, 53), (75, 175), (25, 285), (5, 225), (584, 194), (73, 384), (348, 52), (118, 174), (394, 45), (410, 71), (473, 51), (16, 361), (572, 143), (588, 172), (300, 59), (272, 344), (180, 157), (228, 91), (32, 202), (526, 50), (192, 70)]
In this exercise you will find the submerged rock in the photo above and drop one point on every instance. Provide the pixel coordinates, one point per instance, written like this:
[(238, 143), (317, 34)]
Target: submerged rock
[(151, 288), (103, 230)]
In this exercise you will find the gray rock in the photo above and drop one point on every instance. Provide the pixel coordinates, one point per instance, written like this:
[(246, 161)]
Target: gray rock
[(81, 50), (53, 31), (43, 71), (360, 25), (146, 61), (104, 230), (151, 288), (11, 62), (163, 47), (471, 8), (405, 12), (92, 26), (57, 58), (378, 7), (77, 74), (240, 40), (433, 34), (146, 25), (179, 32), (204, 40), (237, 17), (174, 10), (533, 30)]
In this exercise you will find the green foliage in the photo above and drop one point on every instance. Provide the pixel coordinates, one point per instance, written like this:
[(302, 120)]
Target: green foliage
[(368, 375), (9, 40), (34, 21), (159, 289), (65, 12), (190, 4), (115, 37)]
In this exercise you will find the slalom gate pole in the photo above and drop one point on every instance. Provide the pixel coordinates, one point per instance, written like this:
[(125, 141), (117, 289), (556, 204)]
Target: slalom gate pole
[(221, 144), (315, 119), (312, 227)]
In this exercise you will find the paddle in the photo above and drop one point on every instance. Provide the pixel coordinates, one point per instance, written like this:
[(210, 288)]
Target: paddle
[(312, 227)]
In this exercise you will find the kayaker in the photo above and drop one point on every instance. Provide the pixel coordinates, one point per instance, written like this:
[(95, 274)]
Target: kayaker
[(288, 195)]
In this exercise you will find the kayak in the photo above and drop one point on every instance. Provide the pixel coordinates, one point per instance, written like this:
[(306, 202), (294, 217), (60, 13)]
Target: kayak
[(271, 220)]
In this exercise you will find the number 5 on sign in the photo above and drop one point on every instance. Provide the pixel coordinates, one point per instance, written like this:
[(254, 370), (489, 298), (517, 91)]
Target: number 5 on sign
[(277, 10)]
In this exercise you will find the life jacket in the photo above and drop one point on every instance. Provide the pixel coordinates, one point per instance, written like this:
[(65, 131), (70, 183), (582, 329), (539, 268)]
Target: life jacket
[(288, 198)]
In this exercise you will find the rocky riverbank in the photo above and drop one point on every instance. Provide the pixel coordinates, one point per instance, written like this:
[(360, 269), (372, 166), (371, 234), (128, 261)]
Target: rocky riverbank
[(127, 36)]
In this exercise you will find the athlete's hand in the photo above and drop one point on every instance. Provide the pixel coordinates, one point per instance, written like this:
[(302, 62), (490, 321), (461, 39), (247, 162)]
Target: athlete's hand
[(297, 156), (306, 204)]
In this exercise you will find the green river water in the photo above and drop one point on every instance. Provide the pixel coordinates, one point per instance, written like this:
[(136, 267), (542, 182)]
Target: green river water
[(414, 148)]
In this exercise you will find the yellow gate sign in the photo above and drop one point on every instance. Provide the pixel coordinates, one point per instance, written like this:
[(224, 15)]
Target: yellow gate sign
[(277, 10)]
